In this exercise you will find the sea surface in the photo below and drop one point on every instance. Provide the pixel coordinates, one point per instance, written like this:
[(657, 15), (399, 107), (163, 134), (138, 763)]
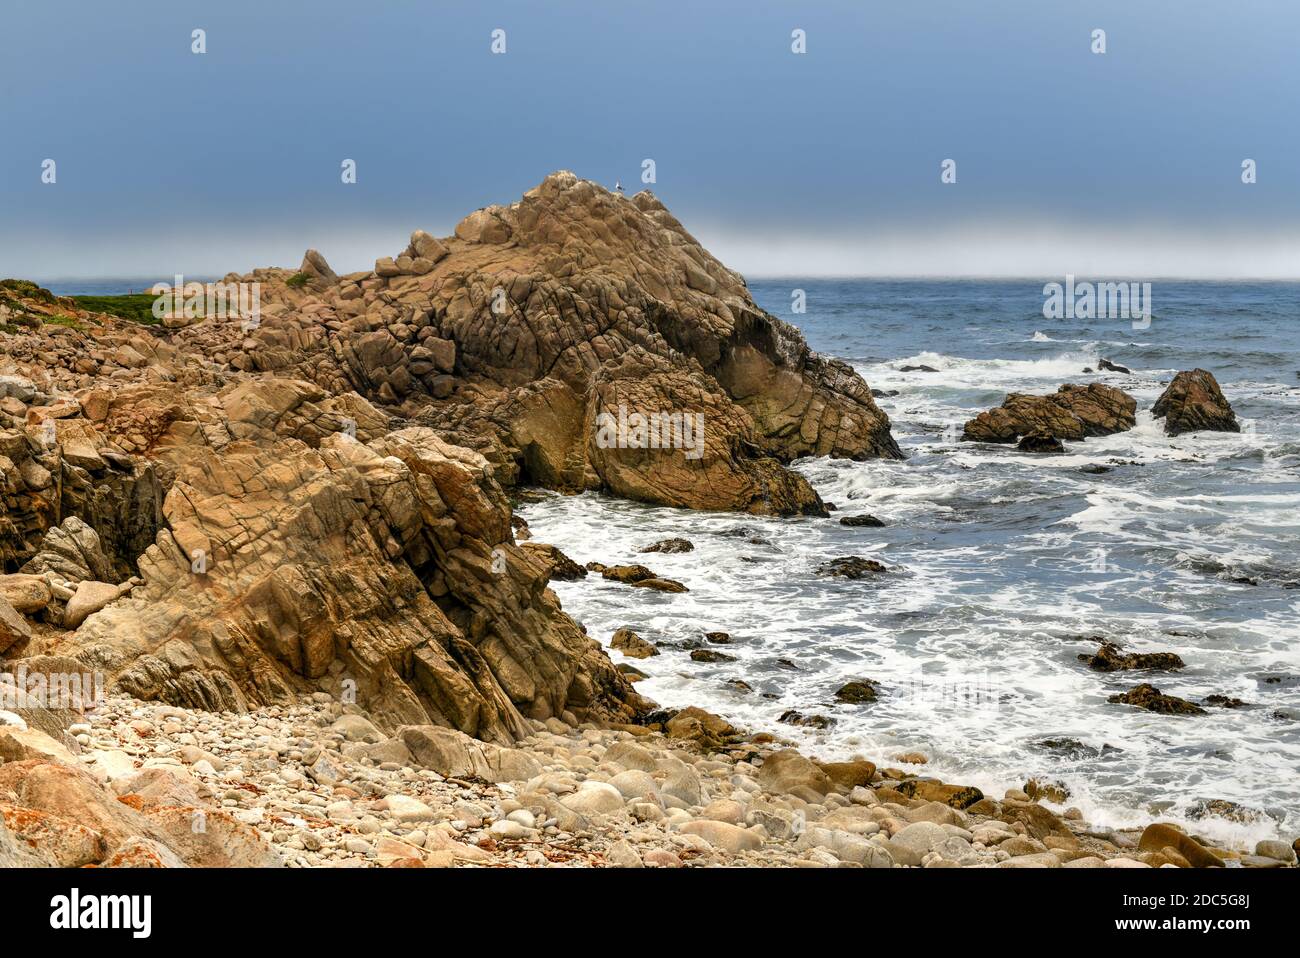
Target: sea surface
[(1005, 566)]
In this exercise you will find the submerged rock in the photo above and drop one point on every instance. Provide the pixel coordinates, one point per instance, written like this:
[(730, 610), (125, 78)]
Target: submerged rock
[(865, 520), (858, 692), (794, 717), (852, 567), (1110, 658), (1225, 702), (1193, 402), (1146, 696), (670, 546), (1040, 442)]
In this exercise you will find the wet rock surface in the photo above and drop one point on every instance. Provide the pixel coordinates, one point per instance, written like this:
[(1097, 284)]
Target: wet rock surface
[(1072, 412), (1193, 402)]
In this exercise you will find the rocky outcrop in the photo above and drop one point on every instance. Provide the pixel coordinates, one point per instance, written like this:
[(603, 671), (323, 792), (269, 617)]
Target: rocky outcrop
[(1150, 698), (1110, 658), (228, 511), (246, 539), (1193, 402), (1072, 412), (384, 573), (533, 320)]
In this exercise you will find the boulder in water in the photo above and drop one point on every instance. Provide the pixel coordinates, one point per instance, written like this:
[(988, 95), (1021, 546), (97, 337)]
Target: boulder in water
[(1146, 696), (1193, 402), (1072, 413), (866, 520), (1110, 658), (852, 567), (1040, 442)]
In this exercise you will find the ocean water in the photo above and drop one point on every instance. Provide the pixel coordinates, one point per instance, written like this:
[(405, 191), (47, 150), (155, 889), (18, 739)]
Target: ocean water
[(1005, 564)]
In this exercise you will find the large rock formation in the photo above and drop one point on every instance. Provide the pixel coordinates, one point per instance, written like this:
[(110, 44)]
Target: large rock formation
[(1072, 412), (385, 571), (534, 319), (1193, 402), (248, 508)]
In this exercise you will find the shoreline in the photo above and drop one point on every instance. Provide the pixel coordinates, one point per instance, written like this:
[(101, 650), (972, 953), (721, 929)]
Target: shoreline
[(1221, 821), (317, 784)]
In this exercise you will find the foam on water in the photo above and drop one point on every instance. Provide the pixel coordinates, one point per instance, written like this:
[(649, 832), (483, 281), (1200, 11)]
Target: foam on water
[(1003, 565)]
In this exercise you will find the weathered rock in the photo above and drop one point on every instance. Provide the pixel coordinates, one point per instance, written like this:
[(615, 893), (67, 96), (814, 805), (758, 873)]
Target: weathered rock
[(72, 551), (594, 798), (1147, 696), (676, 545), (644, 323), (560, 567), (13, 627), (958, 796), (453, 753), (852, 567), (1110, 658), (788, 772), (858, 692), (317, 270), (729, 838), (1072, 412), (89, 598), (1279, 851), (849, 774), (639, 575), (629, 643), (704, 728), (27, 594), (1158, 836), (325, 556), (64, 843), (1193, 402), (868, 521), (18, 745), (1040, 442)]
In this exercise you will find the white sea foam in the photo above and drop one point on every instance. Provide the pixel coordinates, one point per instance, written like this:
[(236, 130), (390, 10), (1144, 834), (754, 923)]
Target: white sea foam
[(1002, 564)]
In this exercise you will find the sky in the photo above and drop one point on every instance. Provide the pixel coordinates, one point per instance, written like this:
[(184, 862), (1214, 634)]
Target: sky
[(1125, 163)]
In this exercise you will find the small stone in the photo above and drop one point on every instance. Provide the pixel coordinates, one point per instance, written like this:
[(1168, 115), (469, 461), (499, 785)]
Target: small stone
[(623, 855)]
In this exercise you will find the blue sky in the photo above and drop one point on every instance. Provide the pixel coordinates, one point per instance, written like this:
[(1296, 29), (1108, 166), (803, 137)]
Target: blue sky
[(827, 162)]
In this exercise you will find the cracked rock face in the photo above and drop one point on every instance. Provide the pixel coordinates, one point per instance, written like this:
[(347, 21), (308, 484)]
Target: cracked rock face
[(223, 514), (523, 325), (385, 572), (1193, 402)]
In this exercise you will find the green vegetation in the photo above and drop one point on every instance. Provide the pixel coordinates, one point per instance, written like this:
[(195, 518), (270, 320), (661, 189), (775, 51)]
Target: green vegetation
[(59, 319), (136, 307), (297, 280), (24, 289)]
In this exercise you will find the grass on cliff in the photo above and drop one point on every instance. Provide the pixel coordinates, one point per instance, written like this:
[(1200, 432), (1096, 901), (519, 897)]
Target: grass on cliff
[(24, 289), (136, 307)]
